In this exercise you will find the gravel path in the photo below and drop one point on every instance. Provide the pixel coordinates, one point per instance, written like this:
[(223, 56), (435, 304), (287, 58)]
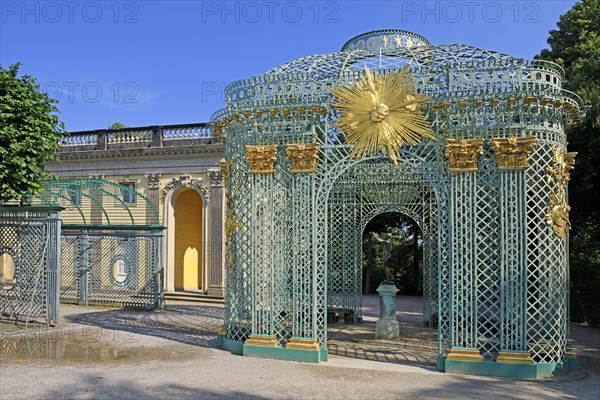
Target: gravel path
[(101, 353)]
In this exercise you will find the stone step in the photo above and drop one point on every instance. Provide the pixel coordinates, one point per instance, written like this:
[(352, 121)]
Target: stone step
[(194, 297)]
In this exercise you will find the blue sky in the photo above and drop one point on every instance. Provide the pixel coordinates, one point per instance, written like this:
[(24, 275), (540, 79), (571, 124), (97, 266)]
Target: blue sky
[(166, 62)]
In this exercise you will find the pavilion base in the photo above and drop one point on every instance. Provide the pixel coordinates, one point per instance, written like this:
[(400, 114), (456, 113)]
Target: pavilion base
[(504, 369), (231, 345), (282, 353), (303, 351)]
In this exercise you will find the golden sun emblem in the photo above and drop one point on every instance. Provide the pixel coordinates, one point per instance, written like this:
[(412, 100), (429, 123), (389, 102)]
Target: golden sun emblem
[(381, 112)]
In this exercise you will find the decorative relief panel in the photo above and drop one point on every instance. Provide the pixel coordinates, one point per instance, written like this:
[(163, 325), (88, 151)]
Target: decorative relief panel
[(185, 180), (153, 180), (216, 178)]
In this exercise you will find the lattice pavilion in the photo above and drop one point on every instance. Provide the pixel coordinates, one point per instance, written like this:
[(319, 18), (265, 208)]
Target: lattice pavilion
[(483, 173)]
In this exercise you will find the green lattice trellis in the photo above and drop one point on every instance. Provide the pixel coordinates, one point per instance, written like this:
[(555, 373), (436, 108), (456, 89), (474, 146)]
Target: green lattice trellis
[(495, 274)]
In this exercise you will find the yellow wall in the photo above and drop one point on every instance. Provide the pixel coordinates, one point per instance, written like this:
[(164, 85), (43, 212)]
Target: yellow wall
[(6, 267), (188, 240)]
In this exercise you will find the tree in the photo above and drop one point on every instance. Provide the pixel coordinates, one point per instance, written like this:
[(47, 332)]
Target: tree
[(575, 45), (29, 133), (117, 125)]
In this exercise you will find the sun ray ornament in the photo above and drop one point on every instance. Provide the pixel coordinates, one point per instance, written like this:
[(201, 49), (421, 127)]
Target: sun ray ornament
[(381, 112)]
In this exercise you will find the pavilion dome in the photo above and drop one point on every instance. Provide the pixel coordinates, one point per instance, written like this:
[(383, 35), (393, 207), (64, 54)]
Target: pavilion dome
[(385, 49), (307, 81)]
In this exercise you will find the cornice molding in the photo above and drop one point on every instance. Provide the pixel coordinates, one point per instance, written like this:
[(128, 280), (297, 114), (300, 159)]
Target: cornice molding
[(142, 152)]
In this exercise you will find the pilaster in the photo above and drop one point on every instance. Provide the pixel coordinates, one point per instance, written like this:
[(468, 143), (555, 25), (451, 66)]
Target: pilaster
[(216, 248), (512, 155)]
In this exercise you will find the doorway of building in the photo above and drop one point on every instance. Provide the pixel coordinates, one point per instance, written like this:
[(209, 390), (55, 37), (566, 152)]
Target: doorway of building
[(188, 241)]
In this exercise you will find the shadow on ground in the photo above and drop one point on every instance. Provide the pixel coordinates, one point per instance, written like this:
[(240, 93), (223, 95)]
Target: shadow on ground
[(96, 387), (187, 324), (416, 346)]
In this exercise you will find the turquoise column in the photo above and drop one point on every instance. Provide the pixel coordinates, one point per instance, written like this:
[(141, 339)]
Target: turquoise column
[(463, 155), (512, 157)]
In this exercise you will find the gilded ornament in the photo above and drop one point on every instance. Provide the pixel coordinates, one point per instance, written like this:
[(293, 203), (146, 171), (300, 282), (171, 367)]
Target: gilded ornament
[(302, 344), (558, 175), (463, 154), (263, 341), (303, 157), (513, 152), (261, 158), (381, 112), (231, 221)]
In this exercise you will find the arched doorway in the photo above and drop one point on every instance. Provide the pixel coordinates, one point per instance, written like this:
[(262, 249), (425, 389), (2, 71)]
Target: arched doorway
[(357, 196), (188, 240), (185, 200), (406, 258)]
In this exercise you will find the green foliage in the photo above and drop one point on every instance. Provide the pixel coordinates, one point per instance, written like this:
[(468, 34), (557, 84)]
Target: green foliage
[(576, 47), (585, 275), (29, 133), (406, 263), (117, 125)]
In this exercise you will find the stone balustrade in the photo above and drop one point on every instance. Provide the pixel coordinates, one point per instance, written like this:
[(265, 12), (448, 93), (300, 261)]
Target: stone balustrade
[(148, 136)]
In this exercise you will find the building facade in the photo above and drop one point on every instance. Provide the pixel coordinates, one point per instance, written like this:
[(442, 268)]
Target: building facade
[(177, 168)]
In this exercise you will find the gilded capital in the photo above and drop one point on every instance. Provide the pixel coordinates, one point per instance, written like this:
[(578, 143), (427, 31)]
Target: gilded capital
[(513, 152), (261, 158), (463, 154), (303, 157)]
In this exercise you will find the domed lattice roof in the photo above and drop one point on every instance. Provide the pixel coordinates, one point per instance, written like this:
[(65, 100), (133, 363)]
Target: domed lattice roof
[(387, 49), (451, 72)]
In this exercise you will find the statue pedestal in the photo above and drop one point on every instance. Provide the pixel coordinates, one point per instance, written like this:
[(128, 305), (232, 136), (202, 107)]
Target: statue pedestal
[(387, 325)]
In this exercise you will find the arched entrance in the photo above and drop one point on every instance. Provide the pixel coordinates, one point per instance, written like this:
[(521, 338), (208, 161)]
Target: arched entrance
[(188, 240), (186, 201), (360, 193), (406, 253)]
